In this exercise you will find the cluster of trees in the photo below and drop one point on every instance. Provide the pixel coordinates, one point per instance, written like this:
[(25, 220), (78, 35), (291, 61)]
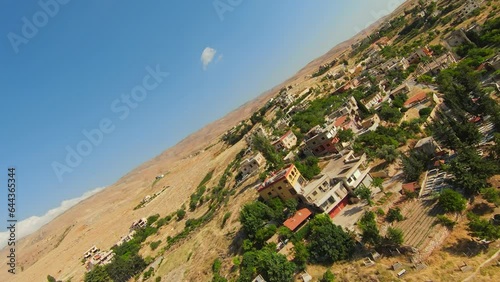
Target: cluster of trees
[(308, 167), (127, 262), (370, 233), (390, 113), (384, 136), (326, 242), (274, 159), (315, 113), (239, 132), (414, 165), (482, 228)]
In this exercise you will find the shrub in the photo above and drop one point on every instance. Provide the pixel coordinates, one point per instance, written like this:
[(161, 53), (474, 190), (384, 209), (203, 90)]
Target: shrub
[(445, 221), (380, 212), (225, 218), (328, 276), (216, 266), (394, 236), (155, 244), (492, 195), (181, 213), (152, 219), (394, 214), (425, 112), (482, 228), (452, 201)]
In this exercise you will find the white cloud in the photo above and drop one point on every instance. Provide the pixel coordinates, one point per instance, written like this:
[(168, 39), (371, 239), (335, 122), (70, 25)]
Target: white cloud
[(33, 223), (207, 56)]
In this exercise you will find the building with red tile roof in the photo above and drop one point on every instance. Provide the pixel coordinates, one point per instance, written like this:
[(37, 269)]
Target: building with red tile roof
[(294, 222), (415, 99)]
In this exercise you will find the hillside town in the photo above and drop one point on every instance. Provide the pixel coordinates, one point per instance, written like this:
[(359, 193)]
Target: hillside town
[(361, 172)]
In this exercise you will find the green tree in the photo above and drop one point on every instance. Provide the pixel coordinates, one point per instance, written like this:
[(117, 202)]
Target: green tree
[(492, 195), (364, 193), (394, 236), (328, 243), (425, 79), (394, 214), (452, 201), (328, 276), (301, 255), (389, 113), (389, 153), (346, 135), (291, 207), (309, 167), (378, 182), (181, 213), (50, 279), (263, 145), (370, 233), (425, 112), (413, 166), (471, 171), (253, 217), (263, 234), (445, 221), (123, 269), (272, 266), (482, 228), (97, 274)]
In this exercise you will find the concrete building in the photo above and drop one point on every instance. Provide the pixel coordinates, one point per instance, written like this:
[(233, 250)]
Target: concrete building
[(90, 252), (325, 194), (469, 7), (138, 224), (285, 142), (285, 184), (457, 38), (398, 64), (370, 123), (283, 122), (256, 131), (436, 65), (284, 100), (372, 101), (349, 108), (428, 146), (420, 53), (329, 191), (126, 238), (248, 166), (320, 141)]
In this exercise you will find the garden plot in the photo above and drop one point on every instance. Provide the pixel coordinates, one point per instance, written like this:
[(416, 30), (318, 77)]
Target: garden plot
[(419, 225)]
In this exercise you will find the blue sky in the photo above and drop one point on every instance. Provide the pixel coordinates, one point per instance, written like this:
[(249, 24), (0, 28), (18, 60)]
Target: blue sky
[(64, 78)]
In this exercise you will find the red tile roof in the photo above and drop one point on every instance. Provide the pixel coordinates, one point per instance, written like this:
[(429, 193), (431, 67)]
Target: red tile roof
[(297, 219), (410, 187), (340, 121), (416, 98)]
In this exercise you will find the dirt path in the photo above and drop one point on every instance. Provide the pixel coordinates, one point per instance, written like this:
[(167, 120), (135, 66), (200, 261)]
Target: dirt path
[(481, 265)]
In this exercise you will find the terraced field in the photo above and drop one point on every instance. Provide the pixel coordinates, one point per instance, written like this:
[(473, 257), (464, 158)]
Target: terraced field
[(419, 225)]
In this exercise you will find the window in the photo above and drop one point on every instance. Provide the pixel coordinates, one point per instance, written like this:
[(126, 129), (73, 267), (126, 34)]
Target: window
[(269, 193), (315, 193), (292, 191), (279, 188)]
